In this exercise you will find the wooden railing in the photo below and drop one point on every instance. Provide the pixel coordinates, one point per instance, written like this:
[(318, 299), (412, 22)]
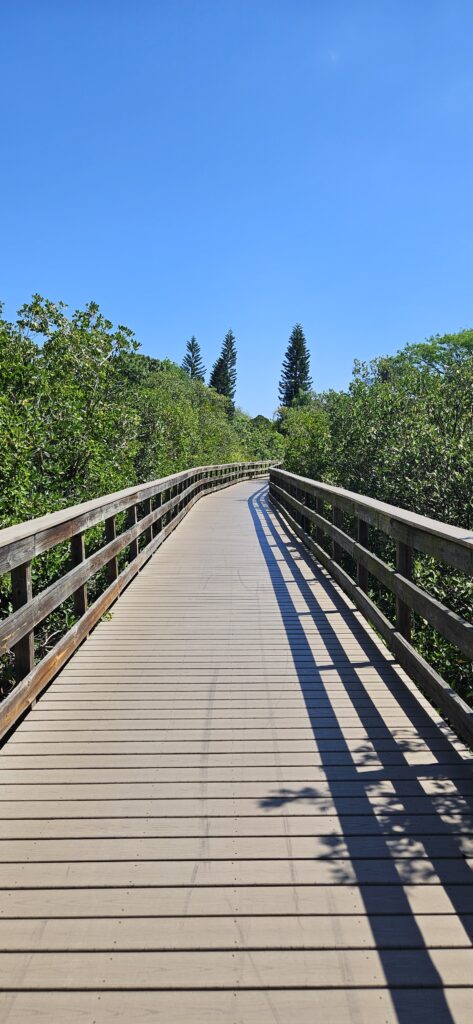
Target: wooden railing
[(315, 511), (147, 514)]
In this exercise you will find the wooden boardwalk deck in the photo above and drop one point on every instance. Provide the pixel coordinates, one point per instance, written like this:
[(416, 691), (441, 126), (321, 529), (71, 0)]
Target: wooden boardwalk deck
[(232, 806)]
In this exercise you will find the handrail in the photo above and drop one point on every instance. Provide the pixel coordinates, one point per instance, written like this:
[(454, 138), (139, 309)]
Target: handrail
[(152, 510), (302, 503)]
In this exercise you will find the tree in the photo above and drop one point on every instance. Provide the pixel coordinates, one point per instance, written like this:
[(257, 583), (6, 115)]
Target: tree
[(306, 431), (295, 376), (192, 362), (223, 376), (260, 438)]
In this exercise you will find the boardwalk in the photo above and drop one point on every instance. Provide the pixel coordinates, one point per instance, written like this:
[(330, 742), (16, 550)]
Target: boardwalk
[(231, 806)]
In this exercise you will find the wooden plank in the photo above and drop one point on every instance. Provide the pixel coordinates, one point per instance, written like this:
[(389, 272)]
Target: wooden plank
[(434, 781), (234, 901), (129, 729), (235, 848), (364, 747), (297, 802), (349, 871), (259, 793), (322, 932), (246, 1007), (378, 824), (238, 719), (442, 763), (236, 969), (22, 756)]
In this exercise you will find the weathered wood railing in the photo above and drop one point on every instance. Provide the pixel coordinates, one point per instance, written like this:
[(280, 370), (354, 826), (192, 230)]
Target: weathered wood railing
[(315, 510), (151, 510)]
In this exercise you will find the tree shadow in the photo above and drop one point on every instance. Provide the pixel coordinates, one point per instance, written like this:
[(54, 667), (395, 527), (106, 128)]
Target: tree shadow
[(401, 824)]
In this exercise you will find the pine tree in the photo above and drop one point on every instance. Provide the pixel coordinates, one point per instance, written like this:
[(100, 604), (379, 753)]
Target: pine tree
[(223, 376), (192, 361), (295, 376)]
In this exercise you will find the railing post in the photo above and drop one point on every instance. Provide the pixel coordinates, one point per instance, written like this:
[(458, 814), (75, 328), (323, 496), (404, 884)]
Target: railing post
[(362, 538), (305, 522), (165, 497), (21, 593), (337, 520), (320, 509), (157, 522), (404, 567), (147, 509), (110, 534), (77, 556), (131, 519)]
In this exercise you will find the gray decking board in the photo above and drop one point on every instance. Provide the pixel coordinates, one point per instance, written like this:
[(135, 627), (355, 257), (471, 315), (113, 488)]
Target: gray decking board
[(232, 805)]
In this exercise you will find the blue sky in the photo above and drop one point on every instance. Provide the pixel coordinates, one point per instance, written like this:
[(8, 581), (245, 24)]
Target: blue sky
[(195, 165)]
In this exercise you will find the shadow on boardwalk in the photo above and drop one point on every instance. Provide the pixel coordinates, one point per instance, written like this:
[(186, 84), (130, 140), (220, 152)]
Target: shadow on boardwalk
[(381, 879)]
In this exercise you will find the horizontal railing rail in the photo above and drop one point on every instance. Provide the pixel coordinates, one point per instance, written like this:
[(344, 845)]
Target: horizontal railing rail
[(303, 504), (151, 511)]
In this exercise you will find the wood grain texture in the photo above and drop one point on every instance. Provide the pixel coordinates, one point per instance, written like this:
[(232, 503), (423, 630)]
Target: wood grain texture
[(232, 805)]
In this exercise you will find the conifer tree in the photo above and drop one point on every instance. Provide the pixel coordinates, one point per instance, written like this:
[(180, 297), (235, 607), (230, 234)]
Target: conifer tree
[(192, 362), (223, 376), (295, 375)]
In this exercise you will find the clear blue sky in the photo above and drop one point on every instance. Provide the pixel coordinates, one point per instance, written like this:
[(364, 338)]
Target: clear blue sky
[(199, 164)]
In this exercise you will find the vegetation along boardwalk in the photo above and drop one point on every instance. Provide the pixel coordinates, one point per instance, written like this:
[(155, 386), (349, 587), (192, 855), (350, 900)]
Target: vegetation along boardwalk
[(231, 804)]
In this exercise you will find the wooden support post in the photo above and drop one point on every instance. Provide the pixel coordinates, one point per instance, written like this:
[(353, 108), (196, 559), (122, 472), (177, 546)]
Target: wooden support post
[(131, 519), (305, 522), (337, 520), (404, 567), (110, 534), (77, 556), (320, 509), (156, 527), (148, 534), (164, 498), (22, 592), (362, 538)]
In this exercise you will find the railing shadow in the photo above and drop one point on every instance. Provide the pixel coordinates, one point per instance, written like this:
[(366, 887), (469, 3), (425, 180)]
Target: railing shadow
[(415, 829)]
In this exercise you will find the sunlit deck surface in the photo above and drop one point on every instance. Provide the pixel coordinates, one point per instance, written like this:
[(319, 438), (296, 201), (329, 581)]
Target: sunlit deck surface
[(232, 806)]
